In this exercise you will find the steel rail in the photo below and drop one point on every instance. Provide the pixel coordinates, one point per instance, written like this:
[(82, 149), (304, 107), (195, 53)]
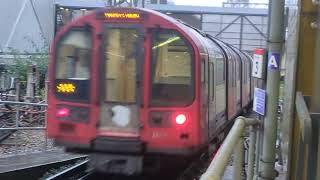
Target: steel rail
[(70, 172)]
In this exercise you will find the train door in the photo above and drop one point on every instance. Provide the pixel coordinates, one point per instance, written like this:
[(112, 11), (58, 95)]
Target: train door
[(121, 73), (231, 86), (205, 91)]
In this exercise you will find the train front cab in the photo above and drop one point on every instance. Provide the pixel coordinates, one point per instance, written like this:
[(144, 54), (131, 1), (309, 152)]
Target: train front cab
[(113, 88)]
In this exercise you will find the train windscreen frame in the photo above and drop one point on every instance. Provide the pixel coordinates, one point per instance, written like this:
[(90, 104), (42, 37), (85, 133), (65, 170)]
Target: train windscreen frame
[(177, 88), (73, 65)]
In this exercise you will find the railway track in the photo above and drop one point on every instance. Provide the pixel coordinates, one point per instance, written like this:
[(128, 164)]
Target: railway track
[(77, 171), (49, 171), (4, 134)]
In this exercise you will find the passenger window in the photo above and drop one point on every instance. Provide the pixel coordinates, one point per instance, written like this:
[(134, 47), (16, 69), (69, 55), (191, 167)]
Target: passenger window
[(234, 72), (172, 82), (211, 81), (238, 75), (203, 73), (121, 59), (74, 56), (220, 71), (244, 65)]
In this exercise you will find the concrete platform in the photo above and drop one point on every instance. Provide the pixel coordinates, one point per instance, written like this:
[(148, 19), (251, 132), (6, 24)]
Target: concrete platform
[(34, 165), (13, 163)]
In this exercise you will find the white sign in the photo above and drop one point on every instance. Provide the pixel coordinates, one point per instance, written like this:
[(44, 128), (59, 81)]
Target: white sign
[(257, 69), (259, 101)]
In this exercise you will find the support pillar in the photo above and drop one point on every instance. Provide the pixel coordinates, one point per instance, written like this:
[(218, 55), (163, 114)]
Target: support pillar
[(275, 41)]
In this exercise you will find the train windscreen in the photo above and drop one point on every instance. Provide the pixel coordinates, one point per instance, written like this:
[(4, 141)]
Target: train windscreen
[(73, 57), (121, 59), (172, 73)]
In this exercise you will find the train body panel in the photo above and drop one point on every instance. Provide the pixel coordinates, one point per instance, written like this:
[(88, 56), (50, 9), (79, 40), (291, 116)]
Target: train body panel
[(127, 80)]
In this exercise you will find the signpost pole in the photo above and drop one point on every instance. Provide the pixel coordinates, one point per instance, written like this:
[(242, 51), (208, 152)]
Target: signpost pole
[(258, 74), (275, 40)]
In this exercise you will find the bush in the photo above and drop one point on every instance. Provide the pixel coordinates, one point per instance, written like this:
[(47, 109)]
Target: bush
[(21, 62)]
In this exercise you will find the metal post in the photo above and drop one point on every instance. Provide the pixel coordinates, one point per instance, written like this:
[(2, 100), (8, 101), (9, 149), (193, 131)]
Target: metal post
[(241, 33), (253, 136), (238, 160), (36, 80), (257, 156), (45, 120), (2, 79), (17, 81), (12, 84), (275, 40), (17, 89), (29, 93)]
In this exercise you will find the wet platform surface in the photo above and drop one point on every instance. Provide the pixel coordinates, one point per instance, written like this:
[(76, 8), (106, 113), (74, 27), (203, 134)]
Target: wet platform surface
[(24, 161)]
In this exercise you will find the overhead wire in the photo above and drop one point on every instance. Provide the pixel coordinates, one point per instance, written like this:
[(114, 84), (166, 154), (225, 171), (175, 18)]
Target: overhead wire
[(37, 19)]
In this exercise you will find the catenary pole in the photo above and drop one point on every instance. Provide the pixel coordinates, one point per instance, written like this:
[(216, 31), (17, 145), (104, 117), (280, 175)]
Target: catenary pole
[(275, 42)]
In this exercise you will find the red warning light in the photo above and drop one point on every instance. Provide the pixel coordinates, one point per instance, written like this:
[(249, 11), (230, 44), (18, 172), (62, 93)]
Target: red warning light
[(63, 112), (181, 119)]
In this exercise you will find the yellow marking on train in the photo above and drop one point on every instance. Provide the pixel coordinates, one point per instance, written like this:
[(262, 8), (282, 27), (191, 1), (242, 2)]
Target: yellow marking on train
[(122, 15), (66, 88)]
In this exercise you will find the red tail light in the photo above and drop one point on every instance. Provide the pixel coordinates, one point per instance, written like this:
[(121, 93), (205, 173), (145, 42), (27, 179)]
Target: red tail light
[(181, 119), (63, 112)]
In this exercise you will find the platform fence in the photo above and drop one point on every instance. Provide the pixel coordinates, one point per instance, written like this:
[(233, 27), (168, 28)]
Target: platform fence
[(234, 141), (19, 116)]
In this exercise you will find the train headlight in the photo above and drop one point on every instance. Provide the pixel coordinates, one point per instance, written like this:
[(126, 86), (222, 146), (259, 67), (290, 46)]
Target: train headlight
[(181, 119), (72, 113), (63, 112)]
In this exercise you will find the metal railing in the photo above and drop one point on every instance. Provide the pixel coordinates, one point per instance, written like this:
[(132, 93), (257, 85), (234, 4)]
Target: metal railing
[(233, 141), (16, 112)]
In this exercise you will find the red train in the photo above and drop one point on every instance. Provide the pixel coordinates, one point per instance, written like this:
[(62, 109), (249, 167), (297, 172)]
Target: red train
[(126, 83)]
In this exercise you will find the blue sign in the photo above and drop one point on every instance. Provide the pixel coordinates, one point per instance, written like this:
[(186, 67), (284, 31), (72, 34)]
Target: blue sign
[(274, 61), (259, 101)]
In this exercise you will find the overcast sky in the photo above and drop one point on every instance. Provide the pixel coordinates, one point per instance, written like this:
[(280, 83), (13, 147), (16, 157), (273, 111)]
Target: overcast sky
[(209, 2)]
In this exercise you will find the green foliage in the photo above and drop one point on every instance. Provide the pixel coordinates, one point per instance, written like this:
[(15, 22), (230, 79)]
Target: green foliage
[(21, 62)]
